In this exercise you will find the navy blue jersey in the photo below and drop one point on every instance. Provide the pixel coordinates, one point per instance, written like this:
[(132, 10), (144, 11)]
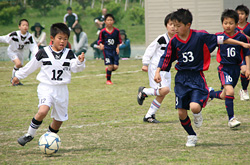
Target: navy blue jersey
[(229, 54), (245, 29), (110, 40), (192, 54)]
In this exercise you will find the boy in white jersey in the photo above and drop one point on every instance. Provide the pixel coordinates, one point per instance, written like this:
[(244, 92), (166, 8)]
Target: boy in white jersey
[(150, 62), (57, 63), (18, 41)]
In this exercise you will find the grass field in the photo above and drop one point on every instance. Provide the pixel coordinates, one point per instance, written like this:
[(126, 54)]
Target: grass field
[(105, 123)]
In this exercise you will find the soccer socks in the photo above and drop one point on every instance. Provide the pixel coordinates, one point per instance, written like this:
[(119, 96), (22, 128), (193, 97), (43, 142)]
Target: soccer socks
[(52, 130), (229, 106), (215, 94), (155, 105), (34, 125), (108, 75), (151, 91), (244, 81), (186, 124), (14, 71)]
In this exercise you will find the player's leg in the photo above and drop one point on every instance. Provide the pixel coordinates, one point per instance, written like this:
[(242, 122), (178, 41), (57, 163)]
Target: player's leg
[(196, 109), (18, 64), (244, 83), (109, 69), (34, 125), (55, 126)]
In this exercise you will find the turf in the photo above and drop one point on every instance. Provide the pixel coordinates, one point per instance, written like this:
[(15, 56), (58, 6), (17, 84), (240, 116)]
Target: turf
[(105, 122)]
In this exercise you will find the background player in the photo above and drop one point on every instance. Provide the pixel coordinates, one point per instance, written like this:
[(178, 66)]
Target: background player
[(19, 41), (109, 41), (191, 49), (150, 62), (70, 19), (57, 63), (244, 27), (230, 57)]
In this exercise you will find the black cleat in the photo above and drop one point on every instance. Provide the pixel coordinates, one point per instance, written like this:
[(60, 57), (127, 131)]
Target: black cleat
[(141, 95), (18, 84), (24, 139), (151, 119)]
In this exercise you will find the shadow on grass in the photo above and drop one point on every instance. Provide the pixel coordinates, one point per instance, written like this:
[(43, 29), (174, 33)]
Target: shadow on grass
[(212, 145)]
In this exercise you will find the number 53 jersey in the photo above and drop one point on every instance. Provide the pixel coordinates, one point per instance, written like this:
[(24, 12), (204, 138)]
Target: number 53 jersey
[(192, 54), (56, 67)]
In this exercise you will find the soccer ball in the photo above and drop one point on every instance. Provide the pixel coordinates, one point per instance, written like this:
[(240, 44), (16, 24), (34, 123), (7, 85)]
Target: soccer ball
[(49, 143)]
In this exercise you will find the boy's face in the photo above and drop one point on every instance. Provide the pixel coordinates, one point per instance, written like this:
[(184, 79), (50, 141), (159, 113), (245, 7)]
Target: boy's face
[(59, 41), (242, 16), (77, 31), (109, 22), (171, 27), (229, 26), (24, 27), (181, 29), (69, 12)]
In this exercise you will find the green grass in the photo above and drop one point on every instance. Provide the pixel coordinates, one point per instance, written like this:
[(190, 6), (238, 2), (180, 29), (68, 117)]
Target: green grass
[(105, 123)]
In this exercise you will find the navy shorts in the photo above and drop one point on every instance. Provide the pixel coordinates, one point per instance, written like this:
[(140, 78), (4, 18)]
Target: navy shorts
[(228, 74), (190, 86), (110, 57)]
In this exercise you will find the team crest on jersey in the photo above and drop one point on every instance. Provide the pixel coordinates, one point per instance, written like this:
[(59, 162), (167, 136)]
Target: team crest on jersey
[(66, 68)]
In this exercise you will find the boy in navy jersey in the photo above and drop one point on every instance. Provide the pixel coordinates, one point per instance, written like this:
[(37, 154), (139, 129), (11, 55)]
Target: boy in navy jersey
[(109, 41), (230, 58), (191, 49), (56, 63), (244, 27)]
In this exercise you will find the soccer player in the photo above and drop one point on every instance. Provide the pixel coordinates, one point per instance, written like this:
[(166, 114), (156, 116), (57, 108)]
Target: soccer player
[(191, 49), (230, 57), (19, 41), (56, 63), (244, 27), (150, 62), (109, 41)]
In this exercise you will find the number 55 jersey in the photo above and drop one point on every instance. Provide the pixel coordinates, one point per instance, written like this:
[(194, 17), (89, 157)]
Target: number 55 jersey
[(56, 67), (192, 54)]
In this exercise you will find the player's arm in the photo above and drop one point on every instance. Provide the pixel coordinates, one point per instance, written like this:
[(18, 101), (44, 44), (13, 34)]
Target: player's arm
[(117, 49), (5, 39), (247, 73), (157, 77), (33, 47), (235, 42), (76, 64)]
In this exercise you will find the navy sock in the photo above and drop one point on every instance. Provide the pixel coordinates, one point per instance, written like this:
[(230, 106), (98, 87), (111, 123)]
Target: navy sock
[(244, 81), (52, 130), (186, 124), (215, 94), (229, 102), (109, 73)]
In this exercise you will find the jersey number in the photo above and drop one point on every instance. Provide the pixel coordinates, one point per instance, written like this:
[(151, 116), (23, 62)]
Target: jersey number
[(188, 56), (20, 47), (111, 41), (231, 52), (57, 76)]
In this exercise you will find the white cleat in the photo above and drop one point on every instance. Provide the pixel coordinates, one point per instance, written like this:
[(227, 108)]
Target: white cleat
[(244, 95), (233, 123), (198, 120), (192, 140)]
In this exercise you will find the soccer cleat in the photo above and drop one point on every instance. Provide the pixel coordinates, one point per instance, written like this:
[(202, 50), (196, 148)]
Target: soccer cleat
[(233, 123), (24, 139), (244, 95), (18, 84), (151, 119), (198, 119), (108, 82), (192, 140), (141, 95)]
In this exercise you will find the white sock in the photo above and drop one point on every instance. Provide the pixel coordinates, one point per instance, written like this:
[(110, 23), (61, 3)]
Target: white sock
[(32, 131), (155, 105), (33, 127), (14, 71), (151, 91)]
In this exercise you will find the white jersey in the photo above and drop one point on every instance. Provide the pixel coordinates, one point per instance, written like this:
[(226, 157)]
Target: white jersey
[(56, 67), (155, 50), (18, 43)]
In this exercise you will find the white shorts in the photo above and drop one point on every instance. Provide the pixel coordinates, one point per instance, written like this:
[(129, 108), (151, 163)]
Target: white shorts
[(165, 78), (56, 96), (15, 55)]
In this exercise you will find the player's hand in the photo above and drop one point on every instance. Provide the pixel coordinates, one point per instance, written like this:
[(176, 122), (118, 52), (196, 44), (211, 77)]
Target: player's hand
[(247, 74), (144, 68), (101, 47), (117, 50), (81, 57), (15, 80), (246, 45), (157, 77)]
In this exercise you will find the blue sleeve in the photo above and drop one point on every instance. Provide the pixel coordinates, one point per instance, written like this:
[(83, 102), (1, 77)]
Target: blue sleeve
[(168, 57), (125, 45)]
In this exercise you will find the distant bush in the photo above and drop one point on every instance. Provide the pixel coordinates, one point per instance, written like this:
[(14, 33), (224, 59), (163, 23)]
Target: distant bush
[(7, 14), (136, 14)]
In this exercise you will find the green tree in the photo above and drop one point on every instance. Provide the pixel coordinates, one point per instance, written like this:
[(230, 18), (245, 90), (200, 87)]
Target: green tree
[(44, 6)]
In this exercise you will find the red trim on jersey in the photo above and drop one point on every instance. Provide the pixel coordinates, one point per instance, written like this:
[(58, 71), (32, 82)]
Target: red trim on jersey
[(233, 35), (108, 31), (189, 36), (203, 77), (218, 56), (222, 79), (167, 56), (206, 57), (100, 37), (243, 27)]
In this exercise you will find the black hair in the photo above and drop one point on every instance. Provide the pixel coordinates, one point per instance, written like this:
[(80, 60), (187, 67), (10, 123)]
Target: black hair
[(183, 15), (109, 15), (59, 28), (167, 18), (243, 8), (77, 26), (69, 8), (22, 21), (229, 13)]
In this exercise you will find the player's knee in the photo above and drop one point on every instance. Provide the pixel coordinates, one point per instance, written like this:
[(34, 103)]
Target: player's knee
[(195, 107), (182, 114), (18, 64), (164, 91)]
